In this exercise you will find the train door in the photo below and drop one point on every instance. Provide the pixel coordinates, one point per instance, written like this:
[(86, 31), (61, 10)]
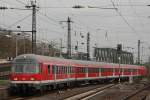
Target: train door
[(43, 71), (48, 72), (53, 72), (40, 70)]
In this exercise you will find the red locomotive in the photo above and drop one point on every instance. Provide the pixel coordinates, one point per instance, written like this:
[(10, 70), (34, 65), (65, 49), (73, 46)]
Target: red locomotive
[(35, 72)]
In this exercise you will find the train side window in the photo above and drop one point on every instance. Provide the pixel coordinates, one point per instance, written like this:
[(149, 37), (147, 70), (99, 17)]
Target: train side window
[(71, 70), (57, 71), (102, 70), (63, 69), (53, 69), (68, 70), (48, 67)]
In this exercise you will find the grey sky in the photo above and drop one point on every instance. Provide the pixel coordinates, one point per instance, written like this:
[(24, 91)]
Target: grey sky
[(133, 25)]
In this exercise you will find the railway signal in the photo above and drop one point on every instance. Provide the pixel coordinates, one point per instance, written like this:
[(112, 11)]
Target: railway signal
[(119, 48)]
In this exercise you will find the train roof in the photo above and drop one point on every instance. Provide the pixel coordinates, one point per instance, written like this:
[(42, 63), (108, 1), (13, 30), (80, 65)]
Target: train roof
[(71, 62)]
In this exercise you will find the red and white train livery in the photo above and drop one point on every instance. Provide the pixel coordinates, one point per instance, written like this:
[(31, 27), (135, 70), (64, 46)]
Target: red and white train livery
[(36, 71)]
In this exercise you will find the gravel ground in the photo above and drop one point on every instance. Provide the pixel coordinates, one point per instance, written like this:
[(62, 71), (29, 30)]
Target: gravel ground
[(117, 92), (121, 91), (67, 93)]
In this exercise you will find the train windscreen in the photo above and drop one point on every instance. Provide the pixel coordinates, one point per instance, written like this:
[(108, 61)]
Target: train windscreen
[(25, 66)]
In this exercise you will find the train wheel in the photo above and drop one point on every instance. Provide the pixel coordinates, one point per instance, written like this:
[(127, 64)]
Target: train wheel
[(41, 90), (12, 90)]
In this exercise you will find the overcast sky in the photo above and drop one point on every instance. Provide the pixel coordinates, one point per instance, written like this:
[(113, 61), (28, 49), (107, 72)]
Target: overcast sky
[(108, 27)]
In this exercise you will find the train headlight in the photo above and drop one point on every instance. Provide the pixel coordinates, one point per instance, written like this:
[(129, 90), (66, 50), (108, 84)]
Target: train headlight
[(15, 79), (32, 79)]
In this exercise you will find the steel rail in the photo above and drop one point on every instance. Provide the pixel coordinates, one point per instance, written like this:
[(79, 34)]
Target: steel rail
[(135, 93), (89, 93)]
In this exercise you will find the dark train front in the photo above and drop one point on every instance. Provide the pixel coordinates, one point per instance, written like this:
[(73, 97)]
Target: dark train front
[(25, 74)]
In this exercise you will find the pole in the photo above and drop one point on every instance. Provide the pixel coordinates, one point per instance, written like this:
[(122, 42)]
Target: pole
[(119, 58), (33, 27), (60, 47), (24, 47), (139, 42), (69, 38), (88, 46), (16, 45)]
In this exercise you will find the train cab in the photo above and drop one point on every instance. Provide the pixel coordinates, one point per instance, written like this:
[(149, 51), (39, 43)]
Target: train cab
[(25, 72)]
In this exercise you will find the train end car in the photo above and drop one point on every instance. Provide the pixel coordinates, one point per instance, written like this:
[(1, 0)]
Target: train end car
[(25, 74)]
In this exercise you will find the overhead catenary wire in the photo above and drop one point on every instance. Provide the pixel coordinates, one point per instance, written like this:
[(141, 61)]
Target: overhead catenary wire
[(20, 20), (21, 2), (4, 1), (55, 22), (139, 19), (50, 23), (124, 19), (47, 19), (85, 26)]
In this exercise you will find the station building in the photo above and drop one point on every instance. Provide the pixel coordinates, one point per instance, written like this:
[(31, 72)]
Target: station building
[(110, 55)]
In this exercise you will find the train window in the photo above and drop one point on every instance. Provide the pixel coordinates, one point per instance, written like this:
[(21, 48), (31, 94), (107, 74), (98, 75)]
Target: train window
[(57, 70), (53, 69), (25, 66), (121, 70), (82, 70), (129, 70), (68, 70), (48, 67), (102, 70), (117, 70), (65, 71), (97, 70), (62, 69), (71, 70)]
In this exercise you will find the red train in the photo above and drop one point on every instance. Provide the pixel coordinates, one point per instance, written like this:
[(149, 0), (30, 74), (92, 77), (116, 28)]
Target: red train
[(37, 72)]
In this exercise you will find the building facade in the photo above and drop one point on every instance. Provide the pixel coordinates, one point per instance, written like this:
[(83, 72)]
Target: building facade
[(110, 55)]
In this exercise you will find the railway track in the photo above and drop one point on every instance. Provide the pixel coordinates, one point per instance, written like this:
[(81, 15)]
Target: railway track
[(101, 92), (90, 93), (17, 99), (139, 94)]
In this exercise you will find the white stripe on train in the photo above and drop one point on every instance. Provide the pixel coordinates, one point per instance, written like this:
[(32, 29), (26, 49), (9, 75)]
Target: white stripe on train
[(68, 79)]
